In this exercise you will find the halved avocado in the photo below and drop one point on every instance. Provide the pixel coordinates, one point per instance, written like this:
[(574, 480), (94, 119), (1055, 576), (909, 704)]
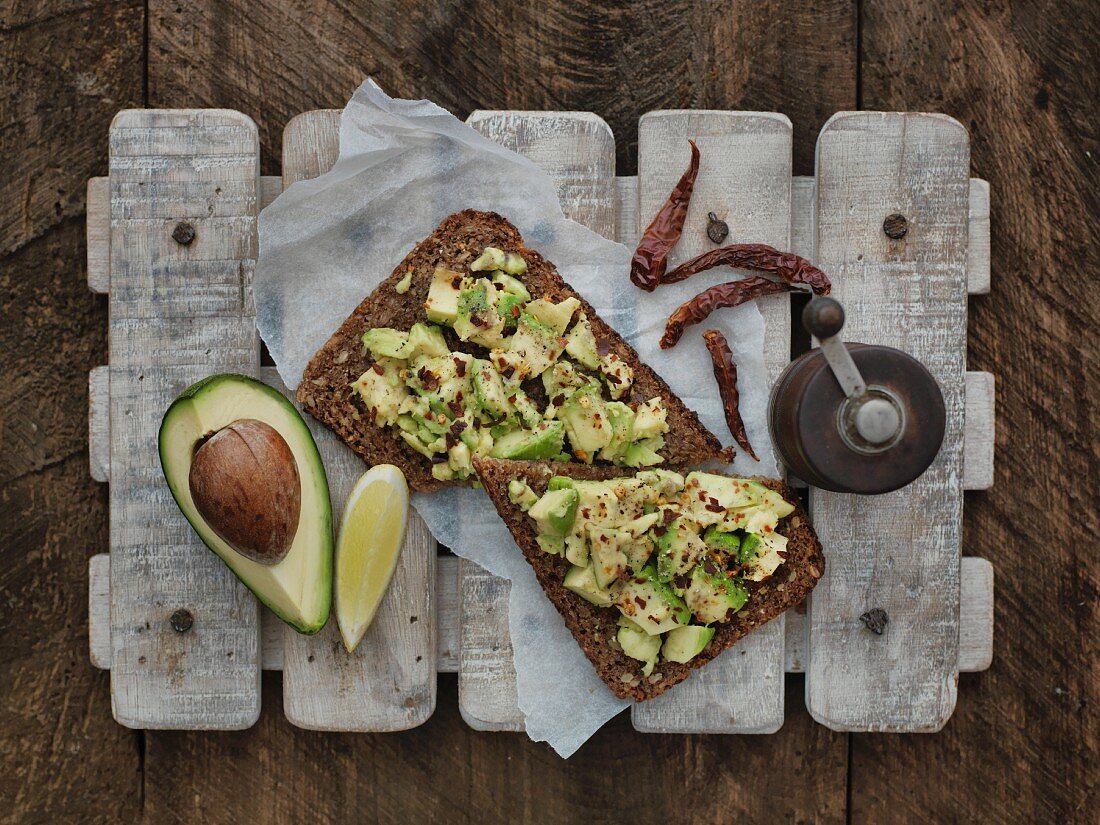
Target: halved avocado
[(297, 588)]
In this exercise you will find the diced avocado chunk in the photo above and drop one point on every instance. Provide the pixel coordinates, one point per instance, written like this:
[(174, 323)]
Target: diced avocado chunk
[(651, 603), (492, 258), (609, 561), (638, 644), (534, 347), (521, 494), (678, 550), (509, 307), (418, 445), (511, 286), (441, 305), (476, 318), (556, 316), (529, 412), (458, 458), (618, 375), (621, 418), (712, 595), (638, 550), (382, 391), (682, 644), (581, 343), (554, 512), (582, 581), (559, 483), (730, 492), (667, 482), (402, 286), (426, 340), (760, 520), (489, 390), (769, 555), (444, 381), (650, 419), (554, 545), (561, 380), (576, 549), (644, 453), (726, 543), (543, 442), (586, 422), (747, 551), (770, 499), (384, 342)]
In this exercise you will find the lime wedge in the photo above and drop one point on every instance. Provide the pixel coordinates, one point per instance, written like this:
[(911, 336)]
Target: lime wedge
[(372, 533)]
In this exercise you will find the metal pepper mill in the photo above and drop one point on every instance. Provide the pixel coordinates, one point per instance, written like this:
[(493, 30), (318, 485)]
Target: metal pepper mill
[(854, 418)]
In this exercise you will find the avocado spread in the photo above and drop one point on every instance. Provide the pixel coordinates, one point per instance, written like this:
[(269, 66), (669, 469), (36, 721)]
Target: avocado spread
[(535, 387), (674, 554)]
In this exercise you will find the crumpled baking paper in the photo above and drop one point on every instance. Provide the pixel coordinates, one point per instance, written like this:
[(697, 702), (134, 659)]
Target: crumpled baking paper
[(326, 243)]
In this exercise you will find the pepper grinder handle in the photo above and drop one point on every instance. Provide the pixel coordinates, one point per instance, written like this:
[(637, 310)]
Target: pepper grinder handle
[(823, 318), (871, 418)]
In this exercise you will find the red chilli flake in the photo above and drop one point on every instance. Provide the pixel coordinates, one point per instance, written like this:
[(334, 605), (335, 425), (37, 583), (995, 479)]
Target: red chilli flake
[(650, 260)]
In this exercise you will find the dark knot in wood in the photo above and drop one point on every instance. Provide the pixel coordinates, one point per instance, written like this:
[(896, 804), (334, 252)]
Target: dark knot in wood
[(184, 233), (876, 620), (717, 229), (181, 620), (895, 226)]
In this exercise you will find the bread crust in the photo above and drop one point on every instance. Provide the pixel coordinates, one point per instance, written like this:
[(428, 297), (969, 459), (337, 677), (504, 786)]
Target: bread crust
[(325, 391), (595, 627)]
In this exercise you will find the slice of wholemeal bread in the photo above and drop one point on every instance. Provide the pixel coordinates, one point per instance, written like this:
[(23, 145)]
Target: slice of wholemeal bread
[(595, 627), (325, 391)]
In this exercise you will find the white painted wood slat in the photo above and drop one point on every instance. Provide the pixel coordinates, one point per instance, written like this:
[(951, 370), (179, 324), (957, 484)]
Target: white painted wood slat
[(577, 151), (978, 269), (389, 682), (978, 443), (207, 677), (899, 551), (745, 179)]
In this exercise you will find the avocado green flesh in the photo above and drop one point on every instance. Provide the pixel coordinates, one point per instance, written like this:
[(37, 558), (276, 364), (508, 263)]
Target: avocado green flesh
[(640, 544), (415, 384), (299, 588)]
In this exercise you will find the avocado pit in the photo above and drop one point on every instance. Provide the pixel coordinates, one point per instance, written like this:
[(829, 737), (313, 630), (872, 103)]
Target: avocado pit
[(244, 482)]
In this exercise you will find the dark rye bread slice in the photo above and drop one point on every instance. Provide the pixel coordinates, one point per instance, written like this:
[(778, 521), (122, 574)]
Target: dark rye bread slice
[(326, 393), (595, 628)]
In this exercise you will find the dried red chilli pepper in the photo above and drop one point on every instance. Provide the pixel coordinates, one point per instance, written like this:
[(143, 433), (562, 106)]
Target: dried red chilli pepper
[(702, 305), (758, 257), (725, 373), (651, 257)]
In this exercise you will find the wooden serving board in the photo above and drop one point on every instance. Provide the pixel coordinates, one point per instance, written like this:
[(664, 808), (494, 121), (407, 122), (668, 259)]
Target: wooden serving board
[(181, 311)]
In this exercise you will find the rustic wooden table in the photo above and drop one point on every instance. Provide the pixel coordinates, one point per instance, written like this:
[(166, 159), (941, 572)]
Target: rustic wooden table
[(1023, 743)]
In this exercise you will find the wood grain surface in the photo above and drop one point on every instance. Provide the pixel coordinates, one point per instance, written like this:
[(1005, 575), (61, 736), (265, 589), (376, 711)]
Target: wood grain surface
[(67, 68), (1022, 744)]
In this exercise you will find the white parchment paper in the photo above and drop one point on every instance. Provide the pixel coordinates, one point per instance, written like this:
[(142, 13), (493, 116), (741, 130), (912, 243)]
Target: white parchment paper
[(326, 243)]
